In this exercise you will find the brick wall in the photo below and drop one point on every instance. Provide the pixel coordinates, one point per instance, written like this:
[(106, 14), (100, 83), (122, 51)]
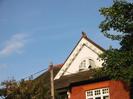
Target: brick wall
[(117, 89)]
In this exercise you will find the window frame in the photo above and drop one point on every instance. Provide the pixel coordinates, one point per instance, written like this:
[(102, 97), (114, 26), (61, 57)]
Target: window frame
[(86, 64), (91, 63), (101, 95), (83, 64)]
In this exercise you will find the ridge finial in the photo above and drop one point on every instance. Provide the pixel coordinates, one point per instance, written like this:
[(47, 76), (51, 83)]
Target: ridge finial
[(84, 34)]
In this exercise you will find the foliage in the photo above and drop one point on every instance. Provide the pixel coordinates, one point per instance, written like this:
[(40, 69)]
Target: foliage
[(38, 88), (16, 90), (118, 17), (118, 63)]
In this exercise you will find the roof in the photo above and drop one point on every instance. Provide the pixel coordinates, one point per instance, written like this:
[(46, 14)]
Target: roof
[(80, 78), (65, 81), (42, 82), (56, 69), (88, 39)]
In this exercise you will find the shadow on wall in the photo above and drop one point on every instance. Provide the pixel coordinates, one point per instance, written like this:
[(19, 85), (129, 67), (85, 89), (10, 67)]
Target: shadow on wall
[(131, 89)]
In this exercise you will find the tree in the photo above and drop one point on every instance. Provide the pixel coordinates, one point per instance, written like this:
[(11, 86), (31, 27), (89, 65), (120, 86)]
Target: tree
[(38, 88), (118, 17), (16, 90), (8, 88), (118, 63)]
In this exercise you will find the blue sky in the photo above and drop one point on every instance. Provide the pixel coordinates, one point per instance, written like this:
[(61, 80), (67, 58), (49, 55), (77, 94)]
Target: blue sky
[(36, 32)]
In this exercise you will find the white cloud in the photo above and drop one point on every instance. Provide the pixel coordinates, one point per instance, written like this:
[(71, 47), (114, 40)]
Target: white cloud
[(14, 44)]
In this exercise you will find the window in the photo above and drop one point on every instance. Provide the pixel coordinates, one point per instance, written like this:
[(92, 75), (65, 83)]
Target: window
[(102, 93), (87, 63), (91, 63), (82, 65)]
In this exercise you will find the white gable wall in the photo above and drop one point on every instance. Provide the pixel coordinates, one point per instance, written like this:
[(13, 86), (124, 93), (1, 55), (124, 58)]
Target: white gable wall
[(84, 49), (84, 53)]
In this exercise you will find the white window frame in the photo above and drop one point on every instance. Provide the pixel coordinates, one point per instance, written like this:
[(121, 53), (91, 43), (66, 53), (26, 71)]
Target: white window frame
[(85, 63), (101, 95)]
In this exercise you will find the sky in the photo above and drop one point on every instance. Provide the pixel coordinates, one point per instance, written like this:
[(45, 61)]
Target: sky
[(34, 33)]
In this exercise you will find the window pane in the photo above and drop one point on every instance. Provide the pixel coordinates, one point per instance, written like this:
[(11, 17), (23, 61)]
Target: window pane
[(92, 63), (82, 65), (98, 98), (97, 92), (106, 97), (105, 90), (90, 93)]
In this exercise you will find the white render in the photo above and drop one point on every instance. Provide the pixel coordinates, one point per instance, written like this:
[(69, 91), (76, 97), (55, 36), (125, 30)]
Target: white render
[(83, 50)]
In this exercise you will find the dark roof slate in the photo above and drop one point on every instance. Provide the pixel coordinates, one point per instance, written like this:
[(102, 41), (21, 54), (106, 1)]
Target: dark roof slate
[(65, 81)]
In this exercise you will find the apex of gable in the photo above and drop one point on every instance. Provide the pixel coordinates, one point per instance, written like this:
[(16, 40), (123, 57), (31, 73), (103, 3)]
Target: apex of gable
[(84, 35)]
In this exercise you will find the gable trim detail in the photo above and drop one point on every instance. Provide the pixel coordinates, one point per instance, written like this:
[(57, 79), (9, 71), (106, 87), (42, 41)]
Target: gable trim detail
[(84, 41)]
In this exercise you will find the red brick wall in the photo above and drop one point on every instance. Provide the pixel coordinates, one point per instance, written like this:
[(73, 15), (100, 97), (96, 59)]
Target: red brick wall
[(77, 93), (117, 89)]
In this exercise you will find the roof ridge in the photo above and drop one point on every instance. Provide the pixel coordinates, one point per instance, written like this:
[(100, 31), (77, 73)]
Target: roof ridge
[(58, 65), (84, 35)]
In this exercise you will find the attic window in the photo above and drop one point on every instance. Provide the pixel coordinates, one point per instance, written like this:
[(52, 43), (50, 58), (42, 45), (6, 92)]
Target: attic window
[(91, 64), (82, 65), (86, 64)]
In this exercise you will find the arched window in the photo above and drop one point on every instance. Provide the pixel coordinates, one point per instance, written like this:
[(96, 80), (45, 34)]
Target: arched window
[(86, 64), (91, 64), (82, 65)]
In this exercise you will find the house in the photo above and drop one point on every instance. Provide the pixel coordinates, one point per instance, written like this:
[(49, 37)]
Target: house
[(75, 79)]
